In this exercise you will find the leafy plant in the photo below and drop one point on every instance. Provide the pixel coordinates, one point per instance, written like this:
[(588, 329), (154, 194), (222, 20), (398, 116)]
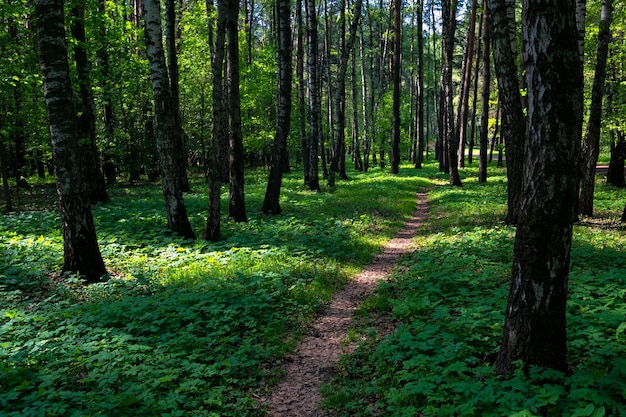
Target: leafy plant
[(448, 299)]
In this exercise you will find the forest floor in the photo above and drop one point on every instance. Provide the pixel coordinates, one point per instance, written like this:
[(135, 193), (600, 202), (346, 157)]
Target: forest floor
[(316, 356)]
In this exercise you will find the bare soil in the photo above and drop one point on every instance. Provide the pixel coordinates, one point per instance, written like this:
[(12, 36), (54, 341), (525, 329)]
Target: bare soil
[(316, 357)]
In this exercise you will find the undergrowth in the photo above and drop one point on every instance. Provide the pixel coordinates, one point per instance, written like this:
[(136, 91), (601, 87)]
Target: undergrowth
[(447, 300), (182, 328)]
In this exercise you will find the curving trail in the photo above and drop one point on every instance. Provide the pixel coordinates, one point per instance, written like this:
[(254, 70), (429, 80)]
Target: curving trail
[(312, 364)]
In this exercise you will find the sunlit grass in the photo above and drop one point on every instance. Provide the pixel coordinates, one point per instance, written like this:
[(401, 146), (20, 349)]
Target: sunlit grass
[(184, 327)]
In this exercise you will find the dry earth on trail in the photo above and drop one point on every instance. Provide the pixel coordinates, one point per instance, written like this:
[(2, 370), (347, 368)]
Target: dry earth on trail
[(313, 362)]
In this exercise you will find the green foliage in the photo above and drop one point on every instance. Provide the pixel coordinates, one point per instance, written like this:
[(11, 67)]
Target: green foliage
[(183, 328), (448, 301)]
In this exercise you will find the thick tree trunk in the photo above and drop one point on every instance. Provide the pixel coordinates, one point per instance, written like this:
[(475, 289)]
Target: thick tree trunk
[(484, 118), (219, 128), (513, 121), (394, 156), (271, 204), (81, 253), (87, 117), (535, 326), (591, 143), (168, 130), (315, 108), (237, 205), (448, 10)]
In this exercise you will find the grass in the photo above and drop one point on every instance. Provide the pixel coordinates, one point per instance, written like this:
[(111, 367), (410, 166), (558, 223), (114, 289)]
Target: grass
[(448, 300), (182, 328), (192, 328)]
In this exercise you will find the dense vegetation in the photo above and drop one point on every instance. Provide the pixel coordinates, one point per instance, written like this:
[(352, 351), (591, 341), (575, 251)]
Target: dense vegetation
[(182, 327), (447, 300), (197, 328)]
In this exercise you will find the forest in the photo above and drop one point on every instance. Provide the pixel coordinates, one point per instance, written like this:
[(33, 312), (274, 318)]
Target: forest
[(188, 185)]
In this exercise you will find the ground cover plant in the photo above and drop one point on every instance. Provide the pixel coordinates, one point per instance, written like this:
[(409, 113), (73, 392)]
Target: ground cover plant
[(447, 301), (186, 328)]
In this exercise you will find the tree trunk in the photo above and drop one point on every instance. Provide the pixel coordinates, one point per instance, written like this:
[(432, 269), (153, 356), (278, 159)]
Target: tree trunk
[(615, 174), (172, 39), (366, 141), (394, 156), (4, 170), (484, 118), (237, 206), (463, 109), (87, 114), (301, 87), (535, 325), (356, 139), (513, 121), (315, 108), (420, 87), (448, 11), (81, 253), (167, 128), (271, 204), (219, 129), (591, 143)]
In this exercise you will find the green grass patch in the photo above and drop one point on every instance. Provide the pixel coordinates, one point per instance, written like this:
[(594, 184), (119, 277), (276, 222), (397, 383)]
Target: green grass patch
[(183, 328), (448, 300)]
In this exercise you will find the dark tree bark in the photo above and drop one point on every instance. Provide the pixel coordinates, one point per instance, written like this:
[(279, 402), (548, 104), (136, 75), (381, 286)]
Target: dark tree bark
[(615, 174), (167, 128), (271, 203), (4, 170), (87, 111), (237, 205), (394, 156), (219, 128), (315, 108), (591, 143), (81, 253), (535, 325), (448, 12), (484, 118), (501, 15)]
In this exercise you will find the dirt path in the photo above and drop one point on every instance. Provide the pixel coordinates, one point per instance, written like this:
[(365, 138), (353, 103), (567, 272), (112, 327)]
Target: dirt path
[(297, 395)]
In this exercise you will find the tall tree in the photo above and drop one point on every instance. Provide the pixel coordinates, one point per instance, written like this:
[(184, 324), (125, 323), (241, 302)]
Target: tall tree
[(173, 11), (338, 166), (219, 126), (419, 126), (503, 40), (301, 87), (315, 108), (236, 206), (591, 143), (535, 325), (271, 203), (87, 113), (167, 129), (448, 12), (394, 156), (484, 118), (81, 253), (462, 113)]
